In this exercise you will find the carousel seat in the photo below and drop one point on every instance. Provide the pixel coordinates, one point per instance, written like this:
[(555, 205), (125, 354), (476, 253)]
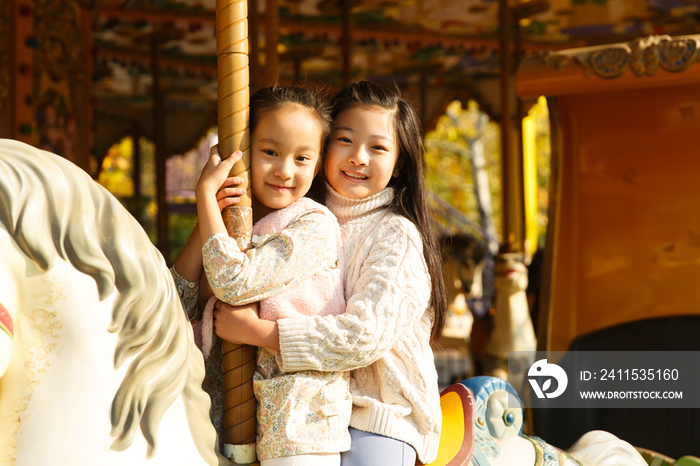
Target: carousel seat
[(457, 435)]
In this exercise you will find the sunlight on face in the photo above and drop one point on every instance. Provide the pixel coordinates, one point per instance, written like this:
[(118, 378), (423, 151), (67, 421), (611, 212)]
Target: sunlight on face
[(285, 155), (362, 153)]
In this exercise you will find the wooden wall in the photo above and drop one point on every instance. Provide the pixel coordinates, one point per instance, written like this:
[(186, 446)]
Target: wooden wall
[(624, 236)]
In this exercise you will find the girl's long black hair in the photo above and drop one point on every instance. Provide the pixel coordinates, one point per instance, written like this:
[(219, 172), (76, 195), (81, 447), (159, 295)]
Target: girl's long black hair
[(410, 192)]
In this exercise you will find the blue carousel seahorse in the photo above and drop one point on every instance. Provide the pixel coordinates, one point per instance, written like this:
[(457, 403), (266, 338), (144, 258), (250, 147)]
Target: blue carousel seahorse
[(482, 426)]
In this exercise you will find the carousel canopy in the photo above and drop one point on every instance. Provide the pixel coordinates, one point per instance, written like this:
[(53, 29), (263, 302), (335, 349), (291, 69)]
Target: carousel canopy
[(435, 44)]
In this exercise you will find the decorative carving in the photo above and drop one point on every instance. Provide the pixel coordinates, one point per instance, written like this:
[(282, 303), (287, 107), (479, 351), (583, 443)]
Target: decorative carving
[(611, 62), (643, 56), (677, 54), (556, 61), (61, 75)]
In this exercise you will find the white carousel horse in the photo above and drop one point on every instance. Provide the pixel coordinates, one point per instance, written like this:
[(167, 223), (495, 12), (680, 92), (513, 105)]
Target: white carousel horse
[(103, 367), (482, 426)]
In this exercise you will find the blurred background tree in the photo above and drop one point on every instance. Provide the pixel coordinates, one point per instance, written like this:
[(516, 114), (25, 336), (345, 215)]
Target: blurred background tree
[(118, 173), (463, 153), (464, 164)]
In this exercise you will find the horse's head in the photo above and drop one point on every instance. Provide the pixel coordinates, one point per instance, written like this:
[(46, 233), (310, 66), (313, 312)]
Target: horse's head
[(497, 408), (510, 272), (480, 415), (466, 252), (98, 328)]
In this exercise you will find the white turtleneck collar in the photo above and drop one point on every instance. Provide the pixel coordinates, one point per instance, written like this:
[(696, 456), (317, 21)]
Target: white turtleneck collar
[(346, 208)]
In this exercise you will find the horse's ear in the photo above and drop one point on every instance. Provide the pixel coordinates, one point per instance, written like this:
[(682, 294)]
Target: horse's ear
[(457, 435)]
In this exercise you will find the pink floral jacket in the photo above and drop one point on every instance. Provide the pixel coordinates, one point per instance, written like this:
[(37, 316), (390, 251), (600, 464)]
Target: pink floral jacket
[(294, 269)]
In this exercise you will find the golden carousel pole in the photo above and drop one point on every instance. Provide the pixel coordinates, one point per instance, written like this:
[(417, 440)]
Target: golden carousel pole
[(233, 100), (513, 207)]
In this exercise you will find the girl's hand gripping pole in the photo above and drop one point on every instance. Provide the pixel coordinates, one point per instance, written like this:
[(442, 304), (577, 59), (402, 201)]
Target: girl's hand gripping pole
[(233, 115)]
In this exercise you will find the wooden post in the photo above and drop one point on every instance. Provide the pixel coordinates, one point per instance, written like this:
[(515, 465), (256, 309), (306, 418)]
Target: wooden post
[(346, 40), (136, 158), (253, 29), (7, 69), (423, 97), (21, 124), (159, 139), (511, 166), (234, 115)]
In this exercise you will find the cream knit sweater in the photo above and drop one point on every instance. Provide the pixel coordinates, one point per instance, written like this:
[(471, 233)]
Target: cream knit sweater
[(383, 337)]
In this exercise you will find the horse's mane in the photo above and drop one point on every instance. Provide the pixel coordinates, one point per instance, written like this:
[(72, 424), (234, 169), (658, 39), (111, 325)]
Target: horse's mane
[(54, 209)]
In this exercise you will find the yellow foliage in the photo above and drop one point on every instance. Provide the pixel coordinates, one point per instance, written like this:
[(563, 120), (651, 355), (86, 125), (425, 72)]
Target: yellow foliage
[(448, 149), (117, 169), (539, 113), (449, 168)]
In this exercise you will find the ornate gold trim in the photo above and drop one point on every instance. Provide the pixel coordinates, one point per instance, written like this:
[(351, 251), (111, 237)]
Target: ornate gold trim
[(643, 56)]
